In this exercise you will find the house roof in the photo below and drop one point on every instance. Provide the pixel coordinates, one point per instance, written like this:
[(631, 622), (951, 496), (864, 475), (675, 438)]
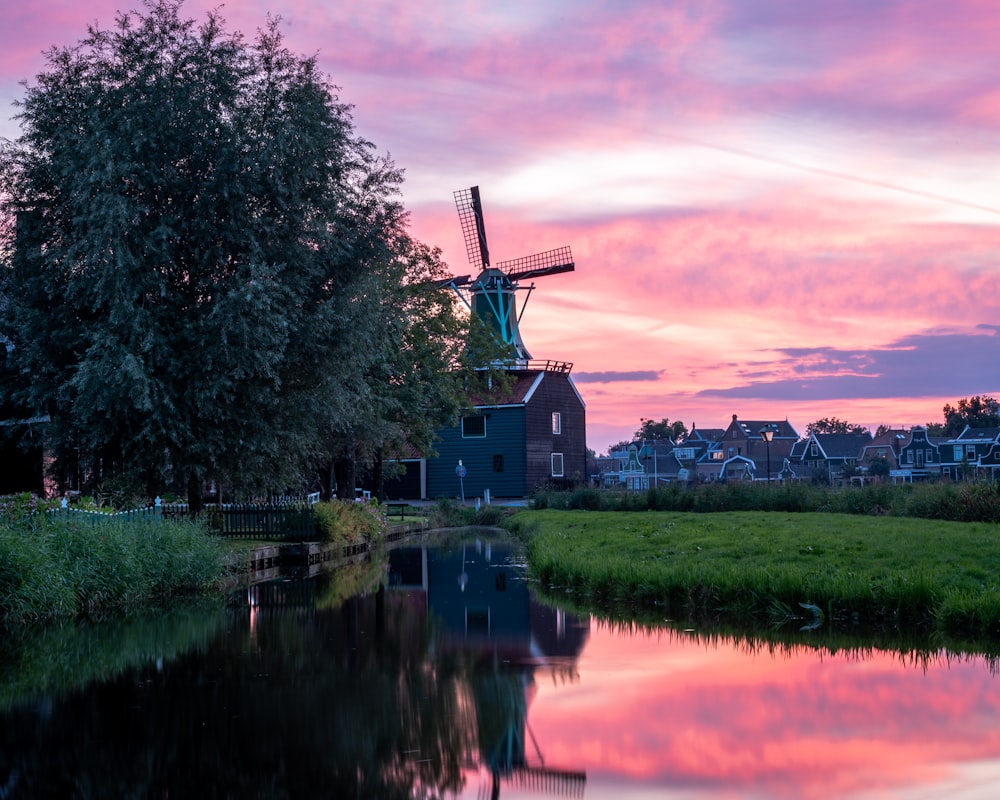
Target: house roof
[(798, 449), (978, 435), (516, 393), (704, 434), (894, 438), (841, 445), (751, 428)]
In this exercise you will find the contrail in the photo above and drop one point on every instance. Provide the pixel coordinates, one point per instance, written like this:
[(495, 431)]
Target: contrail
[(843, 176)]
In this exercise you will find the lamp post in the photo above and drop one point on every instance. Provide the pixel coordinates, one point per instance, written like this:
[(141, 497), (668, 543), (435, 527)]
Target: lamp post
[(767, 434)]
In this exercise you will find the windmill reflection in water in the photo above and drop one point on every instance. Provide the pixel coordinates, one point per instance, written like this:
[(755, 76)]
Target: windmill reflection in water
[(479, 598)]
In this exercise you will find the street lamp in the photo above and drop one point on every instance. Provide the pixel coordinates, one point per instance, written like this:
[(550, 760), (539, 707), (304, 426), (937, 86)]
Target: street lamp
[(767, 434)]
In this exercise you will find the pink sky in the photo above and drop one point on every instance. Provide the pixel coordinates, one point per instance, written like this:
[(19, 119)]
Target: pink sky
[(778, 210), (666, 714)]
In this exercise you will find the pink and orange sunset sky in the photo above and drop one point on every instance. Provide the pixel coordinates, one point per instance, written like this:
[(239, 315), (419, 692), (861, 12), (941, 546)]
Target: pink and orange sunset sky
[(777, 209)]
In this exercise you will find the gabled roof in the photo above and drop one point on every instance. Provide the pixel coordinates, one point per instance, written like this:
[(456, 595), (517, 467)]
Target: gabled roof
[(704, 434), (517, 392), (751, 428), (841, 445)]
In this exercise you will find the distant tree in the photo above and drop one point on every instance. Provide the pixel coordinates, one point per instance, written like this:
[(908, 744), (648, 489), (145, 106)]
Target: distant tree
[(979, 411), (615, 448), (879, 467), (659, 431), (934, 428), (882, 430), (196, 238), (833, 425)]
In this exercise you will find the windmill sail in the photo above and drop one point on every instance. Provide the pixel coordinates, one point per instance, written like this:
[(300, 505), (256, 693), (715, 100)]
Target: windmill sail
[(551, 262), (470, 213), (491, 295)]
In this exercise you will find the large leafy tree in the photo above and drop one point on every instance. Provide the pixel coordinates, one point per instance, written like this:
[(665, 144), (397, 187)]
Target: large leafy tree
[(652, 431), (979, 411), (198, 237)]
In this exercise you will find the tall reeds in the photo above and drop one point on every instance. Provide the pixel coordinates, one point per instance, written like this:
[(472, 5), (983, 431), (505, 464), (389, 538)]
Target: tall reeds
[(51, 568)]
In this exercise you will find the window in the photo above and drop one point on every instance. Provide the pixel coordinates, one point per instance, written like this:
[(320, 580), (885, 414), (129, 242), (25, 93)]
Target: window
[(813, 450), (970, 450), (473, 427), (556, 423), (930, 456), (958, 452), (909, 456), (557, 465), (498, 463)]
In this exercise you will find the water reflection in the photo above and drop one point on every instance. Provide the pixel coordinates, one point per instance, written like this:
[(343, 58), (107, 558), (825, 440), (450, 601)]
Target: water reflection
[(481, 608), (436, 673)]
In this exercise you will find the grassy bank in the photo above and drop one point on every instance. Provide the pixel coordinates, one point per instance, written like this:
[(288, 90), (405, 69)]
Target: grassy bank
[(958, 502), (754, 568), (52, 569)]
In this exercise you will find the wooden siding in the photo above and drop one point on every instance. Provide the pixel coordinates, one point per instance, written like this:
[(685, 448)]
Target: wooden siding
[(505, 436), (555, 394)]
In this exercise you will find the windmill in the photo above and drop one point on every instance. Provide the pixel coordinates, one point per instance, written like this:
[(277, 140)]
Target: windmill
[(492, 294)]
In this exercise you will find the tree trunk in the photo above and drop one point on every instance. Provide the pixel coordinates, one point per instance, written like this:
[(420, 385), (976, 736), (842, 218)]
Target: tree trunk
[(346, 478), (195, 500), (378, 476)]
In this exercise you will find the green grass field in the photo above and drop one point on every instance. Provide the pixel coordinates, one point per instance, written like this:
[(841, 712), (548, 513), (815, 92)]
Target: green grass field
[(761, 568)]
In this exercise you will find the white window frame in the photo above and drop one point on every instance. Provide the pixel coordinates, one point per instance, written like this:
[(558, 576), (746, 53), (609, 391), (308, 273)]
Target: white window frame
[(556, 423), (558, 458)]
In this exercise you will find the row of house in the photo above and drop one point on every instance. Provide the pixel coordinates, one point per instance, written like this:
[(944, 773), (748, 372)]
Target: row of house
[(771, 450)]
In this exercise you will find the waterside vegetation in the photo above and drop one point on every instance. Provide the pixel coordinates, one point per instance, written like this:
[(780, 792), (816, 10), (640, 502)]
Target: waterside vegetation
[(958, 502), (761, 570), (63, 568), (65, 565)]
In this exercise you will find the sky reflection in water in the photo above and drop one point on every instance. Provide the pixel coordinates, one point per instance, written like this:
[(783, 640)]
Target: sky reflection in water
[(665, 715)]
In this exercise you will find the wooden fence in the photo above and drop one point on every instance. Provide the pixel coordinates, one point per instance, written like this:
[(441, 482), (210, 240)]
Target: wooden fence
[(290, 518)]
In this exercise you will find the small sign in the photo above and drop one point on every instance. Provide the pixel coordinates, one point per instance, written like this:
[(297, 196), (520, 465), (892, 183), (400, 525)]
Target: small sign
[(460, 471)]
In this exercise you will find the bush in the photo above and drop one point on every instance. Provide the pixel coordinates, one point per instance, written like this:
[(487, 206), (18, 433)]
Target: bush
[(349, 523)]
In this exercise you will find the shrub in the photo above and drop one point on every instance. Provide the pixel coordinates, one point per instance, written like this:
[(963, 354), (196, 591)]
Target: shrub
[(348, 523)]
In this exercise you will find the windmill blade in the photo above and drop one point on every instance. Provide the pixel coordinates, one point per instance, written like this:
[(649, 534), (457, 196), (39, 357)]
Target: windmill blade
[(470, 213), (551, 262), (455, 280)]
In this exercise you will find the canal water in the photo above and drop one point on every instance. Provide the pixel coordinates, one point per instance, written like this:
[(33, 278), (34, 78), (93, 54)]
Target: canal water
[(434, 671)]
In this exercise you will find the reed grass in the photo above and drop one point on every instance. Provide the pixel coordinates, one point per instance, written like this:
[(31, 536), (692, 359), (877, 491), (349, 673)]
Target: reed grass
[(56, 568), (768, 568)]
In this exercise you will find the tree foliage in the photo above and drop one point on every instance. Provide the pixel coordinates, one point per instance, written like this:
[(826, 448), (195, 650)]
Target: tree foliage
[(650, 430), (833, 425), (980, 411), (201, 254)]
